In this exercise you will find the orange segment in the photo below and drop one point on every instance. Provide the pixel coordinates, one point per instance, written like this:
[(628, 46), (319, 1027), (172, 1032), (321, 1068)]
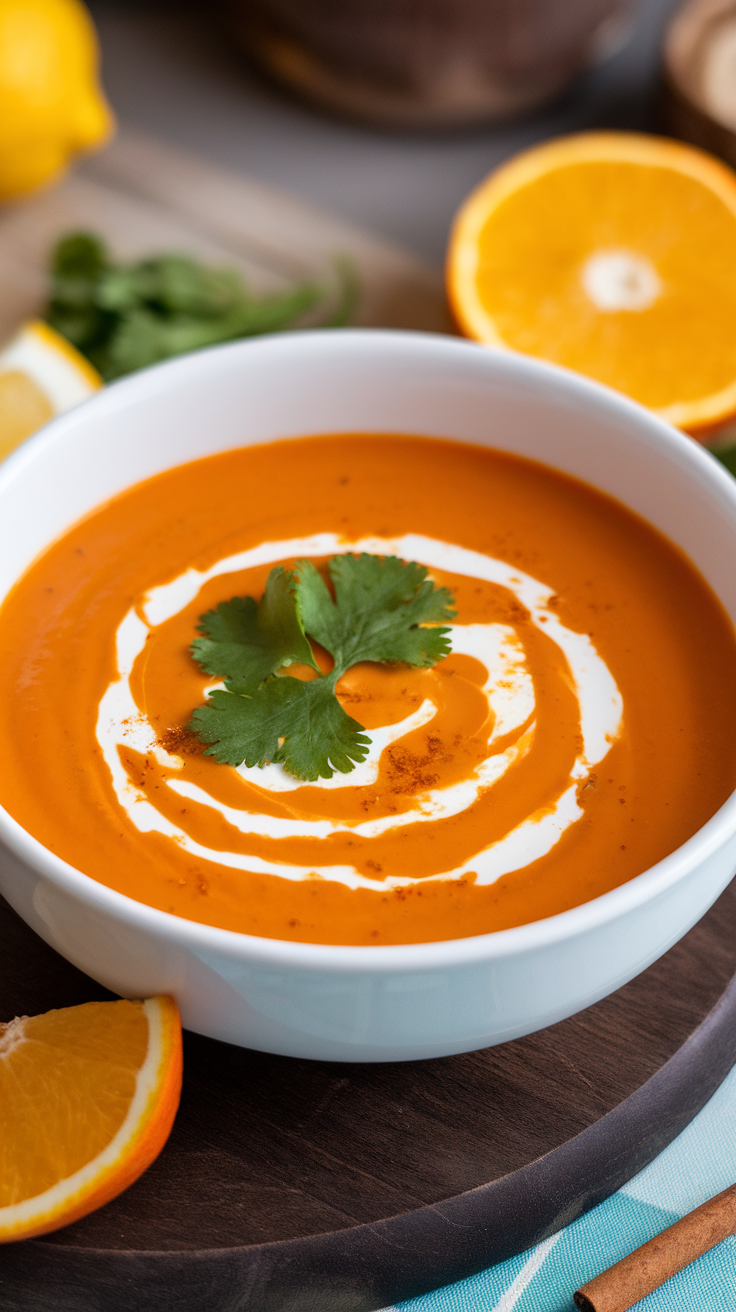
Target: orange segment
[(88, 1097), (613, 254)]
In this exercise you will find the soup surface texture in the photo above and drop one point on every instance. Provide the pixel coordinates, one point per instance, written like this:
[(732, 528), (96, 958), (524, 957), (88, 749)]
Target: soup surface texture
[(583, 726)]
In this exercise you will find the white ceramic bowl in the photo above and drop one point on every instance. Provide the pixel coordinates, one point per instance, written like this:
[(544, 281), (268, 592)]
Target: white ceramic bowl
[(367, 1003)]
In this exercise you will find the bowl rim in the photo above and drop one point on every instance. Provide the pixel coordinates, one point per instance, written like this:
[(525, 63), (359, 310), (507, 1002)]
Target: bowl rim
[(647, 887)]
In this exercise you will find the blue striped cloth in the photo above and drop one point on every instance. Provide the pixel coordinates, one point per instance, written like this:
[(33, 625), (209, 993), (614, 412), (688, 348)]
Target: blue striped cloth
[(698, 1164)]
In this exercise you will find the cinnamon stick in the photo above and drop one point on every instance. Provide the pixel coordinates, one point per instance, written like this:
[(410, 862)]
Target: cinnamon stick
[(622, 1285)]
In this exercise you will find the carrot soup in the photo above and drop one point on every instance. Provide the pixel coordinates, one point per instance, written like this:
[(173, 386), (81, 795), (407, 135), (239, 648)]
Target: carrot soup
[(364, 689)]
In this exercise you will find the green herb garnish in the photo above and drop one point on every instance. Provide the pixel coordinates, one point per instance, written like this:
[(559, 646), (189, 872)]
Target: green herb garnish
[(125, 316), (727, 456), (379, 612)]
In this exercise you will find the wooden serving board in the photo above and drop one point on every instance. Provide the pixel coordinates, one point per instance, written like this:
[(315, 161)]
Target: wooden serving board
[(298, 1186)]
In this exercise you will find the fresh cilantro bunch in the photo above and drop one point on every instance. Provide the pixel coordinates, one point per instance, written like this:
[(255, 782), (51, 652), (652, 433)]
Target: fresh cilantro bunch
[(379, 612), (125, 316)]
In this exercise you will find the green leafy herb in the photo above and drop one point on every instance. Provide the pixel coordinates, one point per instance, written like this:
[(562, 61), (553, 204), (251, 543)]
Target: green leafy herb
[(125, 316), (383, 610), (246, 642), (727, 456)]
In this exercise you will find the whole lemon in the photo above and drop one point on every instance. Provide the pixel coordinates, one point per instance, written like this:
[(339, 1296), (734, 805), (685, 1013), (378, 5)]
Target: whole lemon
[(51, 104)]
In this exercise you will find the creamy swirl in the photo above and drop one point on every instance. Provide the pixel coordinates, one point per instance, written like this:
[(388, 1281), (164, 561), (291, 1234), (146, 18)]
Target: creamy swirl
[(511, 725)]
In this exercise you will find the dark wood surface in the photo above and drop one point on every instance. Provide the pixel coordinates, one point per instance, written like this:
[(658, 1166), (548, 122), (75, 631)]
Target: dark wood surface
[(292, 1186)]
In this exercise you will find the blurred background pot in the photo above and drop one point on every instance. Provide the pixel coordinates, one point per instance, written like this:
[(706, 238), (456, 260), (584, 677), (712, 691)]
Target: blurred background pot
[(427, 63)]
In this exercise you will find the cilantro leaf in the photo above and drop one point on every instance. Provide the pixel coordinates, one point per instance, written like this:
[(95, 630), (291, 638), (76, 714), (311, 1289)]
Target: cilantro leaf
[(380, 612), (379, 601), (246, 642), (726, 455), (301, 726), (126, 316)]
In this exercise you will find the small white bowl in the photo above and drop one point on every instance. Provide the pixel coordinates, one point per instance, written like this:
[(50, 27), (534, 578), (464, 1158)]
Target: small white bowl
[(367, 1003)]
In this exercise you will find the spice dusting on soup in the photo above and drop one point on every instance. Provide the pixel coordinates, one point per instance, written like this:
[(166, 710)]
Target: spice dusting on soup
[(582, 726)]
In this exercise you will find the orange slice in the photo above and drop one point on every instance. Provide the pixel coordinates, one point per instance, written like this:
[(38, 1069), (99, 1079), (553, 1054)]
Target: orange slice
[(88, 1097), (614, 254)]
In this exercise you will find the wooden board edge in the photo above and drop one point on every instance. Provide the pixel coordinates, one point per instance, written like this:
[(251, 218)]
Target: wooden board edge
[(368, 1267)]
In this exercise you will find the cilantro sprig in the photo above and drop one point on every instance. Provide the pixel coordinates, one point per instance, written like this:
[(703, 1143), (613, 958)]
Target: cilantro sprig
[(123, 316), (384, 609)]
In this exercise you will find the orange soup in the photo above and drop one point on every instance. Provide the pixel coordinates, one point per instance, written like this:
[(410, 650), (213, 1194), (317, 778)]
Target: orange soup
[(582, 727)]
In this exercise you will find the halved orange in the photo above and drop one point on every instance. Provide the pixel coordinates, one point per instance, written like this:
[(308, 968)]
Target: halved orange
[(88, 1097), (612, 253)]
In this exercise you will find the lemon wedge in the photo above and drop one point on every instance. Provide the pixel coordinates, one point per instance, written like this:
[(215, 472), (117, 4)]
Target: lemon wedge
[(41, 375)]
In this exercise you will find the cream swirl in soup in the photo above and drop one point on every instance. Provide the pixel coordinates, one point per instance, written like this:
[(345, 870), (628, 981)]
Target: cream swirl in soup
[(508, 689)]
